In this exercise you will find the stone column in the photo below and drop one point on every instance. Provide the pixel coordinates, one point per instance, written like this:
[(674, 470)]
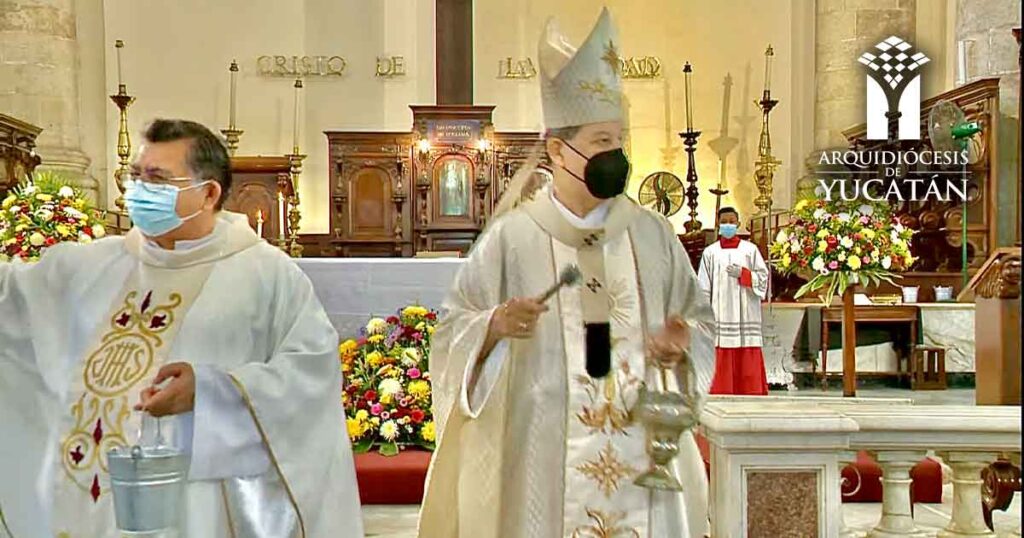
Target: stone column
[(897, 514), (967, 518), (39, 80), (847, 457), (844, 29), (993, 52)]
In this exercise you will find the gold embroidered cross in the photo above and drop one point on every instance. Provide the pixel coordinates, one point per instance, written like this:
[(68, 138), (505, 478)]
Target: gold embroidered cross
[(594, 285), (591, 239), (611, 57)]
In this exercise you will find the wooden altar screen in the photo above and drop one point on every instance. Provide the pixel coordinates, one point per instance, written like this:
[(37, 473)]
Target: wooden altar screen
[(396, 194), (17, 159), (256, 182)]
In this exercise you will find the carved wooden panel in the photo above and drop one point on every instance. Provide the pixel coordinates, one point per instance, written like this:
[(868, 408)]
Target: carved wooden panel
[(256, 182), (17, 158), (370, 205)]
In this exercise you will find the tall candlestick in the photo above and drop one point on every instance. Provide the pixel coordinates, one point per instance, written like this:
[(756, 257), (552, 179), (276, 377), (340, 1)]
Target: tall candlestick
[(118, 45), (259, 223), (295, 128), (721, 172), (281, 210), (234, 84), (687, 74), (768, 55), (961, 62), (668, 113)]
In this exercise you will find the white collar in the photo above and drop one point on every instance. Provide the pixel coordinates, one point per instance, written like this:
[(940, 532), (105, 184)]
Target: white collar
[(594, 219)]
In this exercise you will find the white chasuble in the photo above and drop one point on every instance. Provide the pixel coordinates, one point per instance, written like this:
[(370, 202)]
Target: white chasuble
[(89, 325), (538, 448)]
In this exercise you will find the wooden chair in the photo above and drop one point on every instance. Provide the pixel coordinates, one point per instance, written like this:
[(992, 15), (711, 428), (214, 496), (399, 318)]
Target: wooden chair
[(928, 368)]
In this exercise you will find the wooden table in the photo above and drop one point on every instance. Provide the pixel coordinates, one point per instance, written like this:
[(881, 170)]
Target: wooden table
[(866, 314)]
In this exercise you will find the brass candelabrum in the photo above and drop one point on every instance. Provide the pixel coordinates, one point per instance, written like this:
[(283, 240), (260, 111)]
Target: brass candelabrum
[(294, 249), (764, 168), (231, 137), (689, 137), (124, 143)]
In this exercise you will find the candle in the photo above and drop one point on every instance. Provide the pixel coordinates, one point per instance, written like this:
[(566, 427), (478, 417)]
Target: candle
[(234, 84), (687, 73), (721, 172), (295, 127), (118, 45), (259, 223), (961, 62), (280, 213), (768, 54), (668, 114)]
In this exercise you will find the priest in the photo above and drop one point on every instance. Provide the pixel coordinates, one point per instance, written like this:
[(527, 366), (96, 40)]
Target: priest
[(189, 316), (533, 395), (735, 278)]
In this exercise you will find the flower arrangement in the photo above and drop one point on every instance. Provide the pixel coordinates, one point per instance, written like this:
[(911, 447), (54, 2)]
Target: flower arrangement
[(42, 212), (387, 393), (835, 244)]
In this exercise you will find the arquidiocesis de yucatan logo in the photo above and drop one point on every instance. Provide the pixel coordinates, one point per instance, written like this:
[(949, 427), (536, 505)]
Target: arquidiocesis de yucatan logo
[(893, 88)]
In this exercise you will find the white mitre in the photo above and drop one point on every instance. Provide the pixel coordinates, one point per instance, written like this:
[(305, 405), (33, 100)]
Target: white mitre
[(579, 87)]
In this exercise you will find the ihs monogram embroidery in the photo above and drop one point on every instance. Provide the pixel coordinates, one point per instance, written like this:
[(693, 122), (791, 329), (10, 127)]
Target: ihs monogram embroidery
[(124, 359)]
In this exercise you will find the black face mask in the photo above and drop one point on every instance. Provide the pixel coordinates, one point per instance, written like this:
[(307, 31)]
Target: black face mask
[(606, 173)]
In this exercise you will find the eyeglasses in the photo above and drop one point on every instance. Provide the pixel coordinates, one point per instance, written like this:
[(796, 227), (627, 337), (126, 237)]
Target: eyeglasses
[(134, 176)]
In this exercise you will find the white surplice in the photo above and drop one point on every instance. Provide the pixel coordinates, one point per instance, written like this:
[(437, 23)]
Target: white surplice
[(540, 449), (269, 453), (737, 307)]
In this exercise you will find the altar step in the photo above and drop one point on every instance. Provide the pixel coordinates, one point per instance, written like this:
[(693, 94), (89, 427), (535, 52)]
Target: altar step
[(876, 380)]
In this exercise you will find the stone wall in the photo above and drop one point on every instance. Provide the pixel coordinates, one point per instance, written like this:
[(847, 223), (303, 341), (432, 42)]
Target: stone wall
[(994, 53), (39, 79)]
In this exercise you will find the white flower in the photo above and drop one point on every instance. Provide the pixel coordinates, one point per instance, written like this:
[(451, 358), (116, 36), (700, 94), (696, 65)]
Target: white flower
[(846, 242), (823, 271), (15, 209), (819, 213), (30, 189), (376, 326), (794, 247), (390, 386), (44, 215), (899, 228), (782, 237), (84, 238), (36, 239), (98, 231), (844, 217), (389, 430), (411, 356), (818, 264), (66, 192), (72, 212), (866, 210), (886, 262)]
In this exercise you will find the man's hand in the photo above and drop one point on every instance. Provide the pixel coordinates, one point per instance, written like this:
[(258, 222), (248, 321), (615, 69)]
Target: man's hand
[(178, 396), (734, 270), (517, 318), (668, 346)]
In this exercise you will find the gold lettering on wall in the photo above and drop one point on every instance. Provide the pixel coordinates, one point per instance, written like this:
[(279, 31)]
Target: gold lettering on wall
[(390, 66), (645, 67), (300, 66), (516, 70)]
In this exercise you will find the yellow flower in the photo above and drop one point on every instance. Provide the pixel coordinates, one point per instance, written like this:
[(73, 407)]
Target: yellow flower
[(347, 346), (356, 428), (44, 197), (869, 233), (857, 250), (376, 325), (800, 205), (822, 246), (63, 230), (386, 399), (375, 421), (786, 260), (9, 201), (362, 414), (374, 358), (822, 233), (428, 432), (420, 326), (430, 329), (419, 389), (36, 239), (375, 339), (853, 262), (414, 311)]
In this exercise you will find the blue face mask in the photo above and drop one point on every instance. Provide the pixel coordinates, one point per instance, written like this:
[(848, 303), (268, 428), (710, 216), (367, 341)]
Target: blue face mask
[(152, 207), (728, 231)]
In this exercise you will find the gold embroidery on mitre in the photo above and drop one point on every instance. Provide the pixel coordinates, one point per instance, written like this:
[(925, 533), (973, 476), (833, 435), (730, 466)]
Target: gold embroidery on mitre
[(607, 470), (611, 57), (124, 358), (605, 525), (599, 91)]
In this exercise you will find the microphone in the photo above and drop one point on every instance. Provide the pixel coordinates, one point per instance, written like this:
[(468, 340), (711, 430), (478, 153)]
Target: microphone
[(599, 349)]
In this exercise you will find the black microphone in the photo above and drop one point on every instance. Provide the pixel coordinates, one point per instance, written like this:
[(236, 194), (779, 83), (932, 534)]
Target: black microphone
[(599, 349)]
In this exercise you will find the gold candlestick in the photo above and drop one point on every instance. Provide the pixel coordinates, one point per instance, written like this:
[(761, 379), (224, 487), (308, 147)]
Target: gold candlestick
[(764, 168), (124, 143), (294, 248)]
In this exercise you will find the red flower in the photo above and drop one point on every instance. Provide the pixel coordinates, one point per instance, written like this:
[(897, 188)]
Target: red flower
[(417, 416), (393, 320), (811, 228), (431, 316), (832, 241), (50, 241), (370, 395)]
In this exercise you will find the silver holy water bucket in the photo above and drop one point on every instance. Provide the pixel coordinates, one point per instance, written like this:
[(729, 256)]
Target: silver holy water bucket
[(149, 485)]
